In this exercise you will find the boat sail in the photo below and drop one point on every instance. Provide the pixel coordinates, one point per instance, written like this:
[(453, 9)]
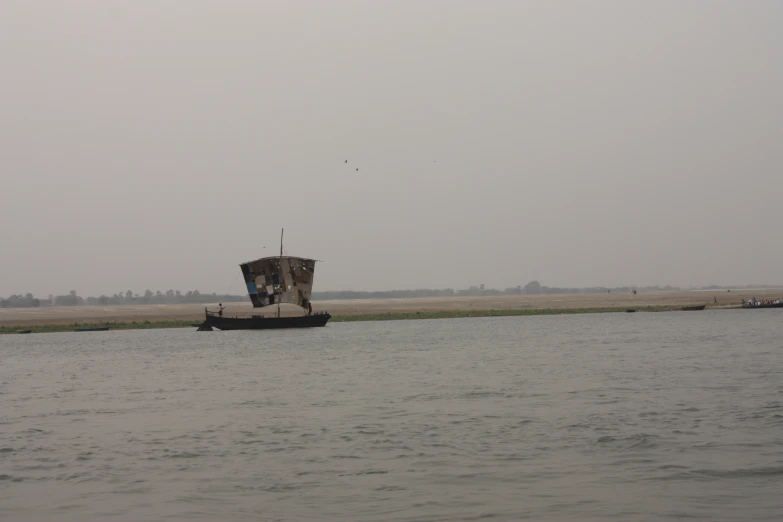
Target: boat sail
[(275, 280)]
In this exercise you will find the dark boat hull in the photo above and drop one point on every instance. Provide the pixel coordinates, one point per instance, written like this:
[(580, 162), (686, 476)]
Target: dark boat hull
[(777, 305), (693, 308), (265, 323)]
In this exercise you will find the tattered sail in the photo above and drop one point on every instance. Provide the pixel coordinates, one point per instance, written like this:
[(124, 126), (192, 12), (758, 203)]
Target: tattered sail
[(273, 280)]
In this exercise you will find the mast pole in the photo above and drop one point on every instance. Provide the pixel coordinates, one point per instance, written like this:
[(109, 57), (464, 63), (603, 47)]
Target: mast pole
[(280, 265)]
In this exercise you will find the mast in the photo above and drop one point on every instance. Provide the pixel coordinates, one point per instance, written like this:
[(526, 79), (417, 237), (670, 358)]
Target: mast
[(281, 264)]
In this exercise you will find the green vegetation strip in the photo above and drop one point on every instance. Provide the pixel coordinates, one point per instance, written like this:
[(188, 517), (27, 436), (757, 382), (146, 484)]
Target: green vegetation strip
[(456, 314), (392, 316), (133, 325)]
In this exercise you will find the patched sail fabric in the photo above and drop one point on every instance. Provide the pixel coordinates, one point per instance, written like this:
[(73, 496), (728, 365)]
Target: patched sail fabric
[(272, 280)]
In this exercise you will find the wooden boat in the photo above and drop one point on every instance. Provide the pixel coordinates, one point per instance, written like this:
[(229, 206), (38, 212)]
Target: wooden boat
[(630, 311), (770, 305), (24, 331), (101, 329), (213, 320), (693, 308), (272, 281)]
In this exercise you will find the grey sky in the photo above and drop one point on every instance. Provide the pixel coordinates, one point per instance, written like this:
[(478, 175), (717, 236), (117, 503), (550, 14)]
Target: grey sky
[(158, 144)]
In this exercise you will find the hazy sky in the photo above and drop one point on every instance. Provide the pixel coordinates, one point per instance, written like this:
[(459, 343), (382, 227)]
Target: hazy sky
[(158, 144)]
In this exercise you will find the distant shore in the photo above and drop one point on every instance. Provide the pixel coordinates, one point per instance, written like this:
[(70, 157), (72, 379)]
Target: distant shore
[(179, 316)]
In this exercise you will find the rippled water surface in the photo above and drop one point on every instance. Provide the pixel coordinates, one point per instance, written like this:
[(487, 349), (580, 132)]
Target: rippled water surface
[(616, 417)]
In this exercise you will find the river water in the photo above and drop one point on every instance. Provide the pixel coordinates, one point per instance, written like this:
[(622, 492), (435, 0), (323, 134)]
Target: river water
[(619, 417)]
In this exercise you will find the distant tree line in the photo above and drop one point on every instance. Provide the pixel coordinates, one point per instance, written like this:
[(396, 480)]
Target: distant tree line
[(120, 298), (746, 287), (194, 296), (532, 288), (20, 301)]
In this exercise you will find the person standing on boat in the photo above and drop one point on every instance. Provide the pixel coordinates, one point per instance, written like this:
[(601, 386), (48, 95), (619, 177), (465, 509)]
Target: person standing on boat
[(309, 308), (220, 309)]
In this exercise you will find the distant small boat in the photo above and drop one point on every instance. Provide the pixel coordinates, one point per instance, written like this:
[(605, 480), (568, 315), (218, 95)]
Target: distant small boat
[(630, 311), (103, 329), (693, 308), (24, 331)]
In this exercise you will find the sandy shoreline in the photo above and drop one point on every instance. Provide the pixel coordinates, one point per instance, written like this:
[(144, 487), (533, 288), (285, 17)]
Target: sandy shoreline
[(195, 312)]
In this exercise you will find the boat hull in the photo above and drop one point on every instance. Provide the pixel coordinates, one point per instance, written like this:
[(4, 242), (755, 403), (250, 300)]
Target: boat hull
[(264, 323), (775, 305), (695, 308)]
